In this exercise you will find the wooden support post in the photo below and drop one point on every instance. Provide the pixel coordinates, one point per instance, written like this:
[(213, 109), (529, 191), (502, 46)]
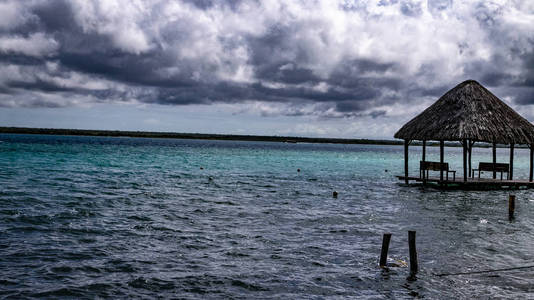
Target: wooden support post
[(406, 143), (511, 207), (424, 151), (465, 159), (441, 150), (385, 248), (511, 171), (471, 143), (494, 160), (531, 162), (424, 159), (414, 266)]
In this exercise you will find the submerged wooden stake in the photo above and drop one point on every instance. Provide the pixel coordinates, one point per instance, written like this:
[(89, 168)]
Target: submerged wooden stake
[(511, 206), (385, 248), (414, 266)]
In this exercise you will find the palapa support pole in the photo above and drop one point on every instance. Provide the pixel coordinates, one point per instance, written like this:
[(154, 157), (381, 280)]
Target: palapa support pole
[(465, 159), (414, 266), (531, 162), (511, 207), (424, 150), (406, 143), (511, 171), (441, 150), (385, 248), (424, 159), (471, 143), (494, 160)]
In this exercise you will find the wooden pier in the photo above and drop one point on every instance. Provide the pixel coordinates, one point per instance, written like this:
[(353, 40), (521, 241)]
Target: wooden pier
[(470, 183)]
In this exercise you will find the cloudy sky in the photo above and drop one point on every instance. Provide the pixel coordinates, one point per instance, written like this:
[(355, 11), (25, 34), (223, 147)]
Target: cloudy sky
[(307, 68)]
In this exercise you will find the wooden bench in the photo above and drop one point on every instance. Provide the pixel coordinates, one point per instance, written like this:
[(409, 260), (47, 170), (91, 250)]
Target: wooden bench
[(435, 166), (487, 166)]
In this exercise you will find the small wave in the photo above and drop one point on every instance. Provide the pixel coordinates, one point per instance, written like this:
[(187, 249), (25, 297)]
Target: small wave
[(120, 266), (32, 219), (316, 263), (248, 286), (164, 228), (225, 202), (236, 254), (61, 269), (89, 269), (61, 292), (151, 284), (139, 218), (7, 282)]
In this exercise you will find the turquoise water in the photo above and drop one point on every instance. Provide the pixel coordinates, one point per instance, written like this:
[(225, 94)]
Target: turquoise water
[(86, 217)]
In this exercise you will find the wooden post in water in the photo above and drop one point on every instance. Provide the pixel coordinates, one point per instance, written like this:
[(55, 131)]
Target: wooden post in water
[(531, 162), (511, 207), (406, 143), (494, 160), (441, 146), (511, 171), (385, 248), (414, 266), (464, 142)]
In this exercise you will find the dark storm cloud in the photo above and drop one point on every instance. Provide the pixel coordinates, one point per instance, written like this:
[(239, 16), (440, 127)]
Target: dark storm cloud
[(523, 95), (352, 58), (286, 72), (20, 59), (528, 64), (37, 84), (55, 16), (128, 68)]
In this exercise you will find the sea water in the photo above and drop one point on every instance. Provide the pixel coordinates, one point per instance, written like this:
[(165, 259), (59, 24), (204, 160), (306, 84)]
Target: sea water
[(86, 217)]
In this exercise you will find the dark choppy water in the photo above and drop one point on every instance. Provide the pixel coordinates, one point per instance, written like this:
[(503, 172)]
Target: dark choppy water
[(85, 217)]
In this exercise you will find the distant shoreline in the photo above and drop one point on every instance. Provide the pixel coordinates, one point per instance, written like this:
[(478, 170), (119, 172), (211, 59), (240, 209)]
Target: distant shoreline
[(198, 136), (225, 137)]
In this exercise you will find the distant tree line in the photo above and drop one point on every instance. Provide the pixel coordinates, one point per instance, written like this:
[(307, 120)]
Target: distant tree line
[(204, 136)]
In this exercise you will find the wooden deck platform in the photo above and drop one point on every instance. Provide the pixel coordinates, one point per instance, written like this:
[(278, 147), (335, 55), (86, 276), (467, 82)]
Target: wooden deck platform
[(471, 183)]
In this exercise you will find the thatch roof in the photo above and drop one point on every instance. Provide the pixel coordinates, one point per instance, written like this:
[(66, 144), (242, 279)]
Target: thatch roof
[(469, 111)]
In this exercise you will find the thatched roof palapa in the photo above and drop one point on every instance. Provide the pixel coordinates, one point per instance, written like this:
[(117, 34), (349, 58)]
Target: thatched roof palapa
[(469, 111)]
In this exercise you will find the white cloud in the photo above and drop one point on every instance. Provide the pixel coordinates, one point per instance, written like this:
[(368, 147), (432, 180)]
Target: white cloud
[(11, 14), (37, 44), (121, 20)]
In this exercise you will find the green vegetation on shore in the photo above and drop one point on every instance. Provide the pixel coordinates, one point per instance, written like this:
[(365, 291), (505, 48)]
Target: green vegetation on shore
[(229, 137), (202, 136)]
